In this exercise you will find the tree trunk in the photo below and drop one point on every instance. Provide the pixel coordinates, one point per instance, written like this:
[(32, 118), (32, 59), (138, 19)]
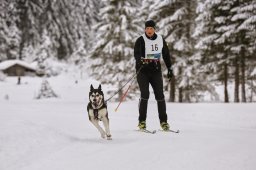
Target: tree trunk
[(243, 76), (236, 92), (180, 95), (180, 90), (187, 92), (23, 26), (172, 90), (120, 93), (226, 100), (251, 97)]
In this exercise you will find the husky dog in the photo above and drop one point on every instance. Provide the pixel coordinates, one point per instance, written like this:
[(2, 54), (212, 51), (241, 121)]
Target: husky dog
[(97, 111)]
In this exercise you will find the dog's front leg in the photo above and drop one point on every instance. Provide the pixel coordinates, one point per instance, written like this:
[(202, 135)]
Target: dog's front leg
[(105, 121), (96, 124)]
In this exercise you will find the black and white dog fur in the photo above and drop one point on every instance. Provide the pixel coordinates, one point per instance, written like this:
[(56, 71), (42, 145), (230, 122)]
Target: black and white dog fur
[(97, 111)]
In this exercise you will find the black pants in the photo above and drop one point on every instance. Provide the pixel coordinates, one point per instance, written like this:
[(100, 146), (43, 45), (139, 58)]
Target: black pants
[(156, 81)]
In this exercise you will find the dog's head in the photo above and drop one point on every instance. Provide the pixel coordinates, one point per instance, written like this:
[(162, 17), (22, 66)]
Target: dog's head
[(96, 97)]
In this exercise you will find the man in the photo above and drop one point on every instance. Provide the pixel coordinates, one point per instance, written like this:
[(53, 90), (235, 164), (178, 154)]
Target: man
[(147, 52)]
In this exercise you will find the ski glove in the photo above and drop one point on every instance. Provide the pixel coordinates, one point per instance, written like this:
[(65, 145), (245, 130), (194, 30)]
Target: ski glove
[(142, 62), (169, 73)]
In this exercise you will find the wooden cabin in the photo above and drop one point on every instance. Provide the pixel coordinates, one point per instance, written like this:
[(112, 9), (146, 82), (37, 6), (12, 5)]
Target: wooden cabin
[(17, 68)]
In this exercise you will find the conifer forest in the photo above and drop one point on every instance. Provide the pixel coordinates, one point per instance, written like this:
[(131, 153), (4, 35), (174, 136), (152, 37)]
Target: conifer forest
[(212, 43)]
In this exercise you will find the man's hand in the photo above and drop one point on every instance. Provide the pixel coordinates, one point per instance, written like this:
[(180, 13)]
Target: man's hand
[(142, 62), (169, 73)]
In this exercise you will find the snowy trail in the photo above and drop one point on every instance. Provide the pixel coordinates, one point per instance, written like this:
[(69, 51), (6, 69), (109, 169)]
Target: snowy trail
[(52, 134), (55, 134)]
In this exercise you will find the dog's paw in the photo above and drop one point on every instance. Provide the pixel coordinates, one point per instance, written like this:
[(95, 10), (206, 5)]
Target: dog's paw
[(109, 137), (103, 135)]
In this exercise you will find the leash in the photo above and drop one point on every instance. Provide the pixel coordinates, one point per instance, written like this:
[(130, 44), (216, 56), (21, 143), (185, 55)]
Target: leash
[(132, 78), (123, 97)]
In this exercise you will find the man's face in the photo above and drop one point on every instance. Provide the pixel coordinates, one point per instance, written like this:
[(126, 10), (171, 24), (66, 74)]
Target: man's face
[(150, 31)]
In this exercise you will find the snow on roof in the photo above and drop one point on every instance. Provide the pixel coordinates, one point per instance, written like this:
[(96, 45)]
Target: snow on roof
[(8, 63)]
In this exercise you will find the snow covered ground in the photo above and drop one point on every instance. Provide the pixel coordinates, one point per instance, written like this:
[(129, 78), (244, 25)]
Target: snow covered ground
[(55, 134)]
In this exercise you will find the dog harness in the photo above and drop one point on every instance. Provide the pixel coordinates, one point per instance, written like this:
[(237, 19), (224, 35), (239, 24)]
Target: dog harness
[(96, 111)]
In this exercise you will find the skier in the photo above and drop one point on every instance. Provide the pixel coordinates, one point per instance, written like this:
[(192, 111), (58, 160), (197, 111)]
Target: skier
[(147, 52)]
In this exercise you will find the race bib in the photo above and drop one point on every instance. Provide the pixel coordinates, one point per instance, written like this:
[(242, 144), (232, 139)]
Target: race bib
[(153, 48), (153, 56)]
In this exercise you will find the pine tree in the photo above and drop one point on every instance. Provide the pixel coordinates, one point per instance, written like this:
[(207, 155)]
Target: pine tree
[(243, 46), (224, 41), (142, 15), (46, 91), (66, 22), (176, 24), (10, 35), (249, 24), (87, 16), (213, 21), (80, 59), (42, 53), (3, 29), (113, 51)]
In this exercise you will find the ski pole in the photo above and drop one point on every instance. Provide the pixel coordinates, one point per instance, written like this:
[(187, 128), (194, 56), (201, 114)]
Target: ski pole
[(123, 97)]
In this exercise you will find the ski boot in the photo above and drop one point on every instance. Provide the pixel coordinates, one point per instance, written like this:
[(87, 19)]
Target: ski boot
[(165, 126), (142, 125)]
